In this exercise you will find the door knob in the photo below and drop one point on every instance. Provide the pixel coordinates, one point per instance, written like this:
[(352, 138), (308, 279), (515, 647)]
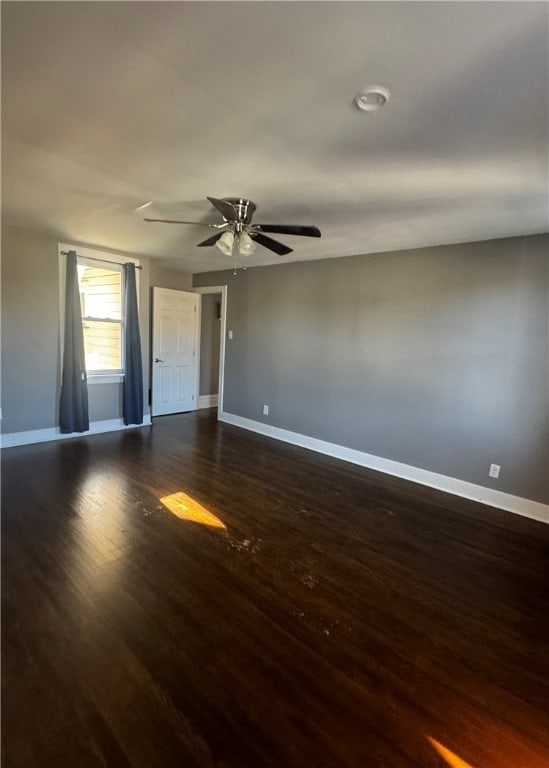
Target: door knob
[(158, 360)]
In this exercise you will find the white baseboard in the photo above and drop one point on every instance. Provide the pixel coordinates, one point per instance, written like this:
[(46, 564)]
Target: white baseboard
[(53, 433), (489, 496), (208, 401)]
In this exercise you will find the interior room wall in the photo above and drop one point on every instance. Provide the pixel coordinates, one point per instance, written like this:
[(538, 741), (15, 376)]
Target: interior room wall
[(436, 358), (210, 326), (162, 276), (31, 336)]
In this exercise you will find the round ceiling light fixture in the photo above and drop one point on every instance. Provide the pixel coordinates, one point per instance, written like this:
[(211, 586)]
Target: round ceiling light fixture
[(372, 98)]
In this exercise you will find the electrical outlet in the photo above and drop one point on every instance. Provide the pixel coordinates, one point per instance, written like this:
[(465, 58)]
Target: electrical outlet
[(230, 334), (494, 470), (265, 410)]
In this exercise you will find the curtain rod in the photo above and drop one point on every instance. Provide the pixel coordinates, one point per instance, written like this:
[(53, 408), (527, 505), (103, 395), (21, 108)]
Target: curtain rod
[(103, 261)]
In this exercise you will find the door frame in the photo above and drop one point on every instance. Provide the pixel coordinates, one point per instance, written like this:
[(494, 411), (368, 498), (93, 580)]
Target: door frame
[(222, 289)]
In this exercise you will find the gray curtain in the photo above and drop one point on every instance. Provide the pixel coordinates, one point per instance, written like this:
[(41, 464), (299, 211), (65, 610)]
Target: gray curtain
[(132, 396), (73, 404)]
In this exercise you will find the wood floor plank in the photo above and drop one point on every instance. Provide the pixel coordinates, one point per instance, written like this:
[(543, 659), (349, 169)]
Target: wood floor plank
[(341, 618)]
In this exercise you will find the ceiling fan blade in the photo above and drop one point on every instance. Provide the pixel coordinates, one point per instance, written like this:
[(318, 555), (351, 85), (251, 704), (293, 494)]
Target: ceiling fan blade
[(211, 240), (179, 221), (224, 208), (288, 229), (271, 244)]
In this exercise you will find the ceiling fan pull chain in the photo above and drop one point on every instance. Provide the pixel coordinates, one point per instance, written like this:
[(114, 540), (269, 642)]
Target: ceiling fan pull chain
[(236, 248)]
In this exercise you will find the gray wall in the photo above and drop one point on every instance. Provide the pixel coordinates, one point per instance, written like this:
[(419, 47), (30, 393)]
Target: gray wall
[(437, 358), (210, 326), (30, 336), (30, 330), (162, 276)]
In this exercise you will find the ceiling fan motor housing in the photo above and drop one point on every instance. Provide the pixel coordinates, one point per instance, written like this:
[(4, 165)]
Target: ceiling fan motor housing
[(244, 208)]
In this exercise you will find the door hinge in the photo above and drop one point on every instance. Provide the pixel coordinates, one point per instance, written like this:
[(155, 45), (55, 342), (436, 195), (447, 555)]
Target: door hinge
[(193, 397)]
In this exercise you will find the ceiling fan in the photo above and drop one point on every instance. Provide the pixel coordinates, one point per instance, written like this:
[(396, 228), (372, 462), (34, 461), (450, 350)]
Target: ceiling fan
[(237, 234)]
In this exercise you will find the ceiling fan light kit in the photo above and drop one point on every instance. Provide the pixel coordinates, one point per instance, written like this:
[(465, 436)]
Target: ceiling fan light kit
[(245, 244), (225, 243), (239, 236)]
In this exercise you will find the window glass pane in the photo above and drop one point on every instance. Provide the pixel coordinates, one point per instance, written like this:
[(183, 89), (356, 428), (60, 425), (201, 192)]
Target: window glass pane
[(102, 344), (100, 292)]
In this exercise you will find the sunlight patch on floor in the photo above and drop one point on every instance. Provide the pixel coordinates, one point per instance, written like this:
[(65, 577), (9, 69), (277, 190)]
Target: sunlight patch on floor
[(451, 758), (185, 507)]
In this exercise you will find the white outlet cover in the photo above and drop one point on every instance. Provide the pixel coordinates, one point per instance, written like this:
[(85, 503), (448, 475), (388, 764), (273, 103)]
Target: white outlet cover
[(494, 470), (265, 410), (230, 334)]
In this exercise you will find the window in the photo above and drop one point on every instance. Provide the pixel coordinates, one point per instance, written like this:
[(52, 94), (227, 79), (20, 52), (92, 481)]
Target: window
[(101, 300), (101, 286)]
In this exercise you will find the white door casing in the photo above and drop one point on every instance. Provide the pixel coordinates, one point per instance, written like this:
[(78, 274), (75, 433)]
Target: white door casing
[(175, 346), (222, 289)]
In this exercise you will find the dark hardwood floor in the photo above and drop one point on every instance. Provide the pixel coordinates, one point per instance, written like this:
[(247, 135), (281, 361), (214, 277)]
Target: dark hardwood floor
[(342, 618)]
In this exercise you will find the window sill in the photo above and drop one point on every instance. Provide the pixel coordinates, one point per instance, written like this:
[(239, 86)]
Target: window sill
[(105, 378)]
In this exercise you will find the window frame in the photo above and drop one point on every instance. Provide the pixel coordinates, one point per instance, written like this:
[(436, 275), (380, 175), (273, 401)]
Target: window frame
[(92, 257), (116, 373)]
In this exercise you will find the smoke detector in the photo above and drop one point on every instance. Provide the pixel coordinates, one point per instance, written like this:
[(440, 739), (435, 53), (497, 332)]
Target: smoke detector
[(372, 98)]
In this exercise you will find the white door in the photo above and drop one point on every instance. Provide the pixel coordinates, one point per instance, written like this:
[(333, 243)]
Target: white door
[(174, 351)]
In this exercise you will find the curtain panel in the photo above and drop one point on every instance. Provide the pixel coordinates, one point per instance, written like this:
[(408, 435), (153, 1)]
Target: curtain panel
[(73, 403), (132, 395)]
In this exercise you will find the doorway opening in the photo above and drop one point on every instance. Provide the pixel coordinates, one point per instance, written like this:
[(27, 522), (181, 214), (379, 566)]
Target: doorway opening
[(212, 346)]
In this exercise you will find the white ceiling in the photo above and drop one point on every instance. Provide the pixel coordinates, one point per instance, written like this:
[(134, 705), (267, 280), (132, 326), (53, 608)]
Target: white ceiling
[(107, 105)]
